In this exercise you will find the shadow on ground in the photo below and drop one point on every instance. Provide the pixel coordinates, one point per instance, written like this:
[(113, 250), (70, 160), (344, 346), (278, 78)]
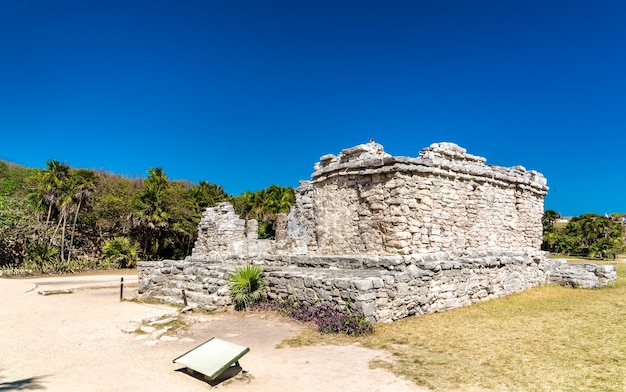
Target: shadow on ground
[(26, 384), (225, 377)]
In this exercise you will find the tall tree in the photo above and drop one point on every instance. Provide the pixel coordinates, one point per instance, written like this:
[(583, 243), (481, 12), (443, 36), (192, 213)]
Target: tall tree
[(52, 189), (151, 208), (84, 185), (114, 205), (206, 194), (244, 205), (550, 234), (176, 241), (594, 235), (51, 181), (549, 219), (263, 205), (67, 206)]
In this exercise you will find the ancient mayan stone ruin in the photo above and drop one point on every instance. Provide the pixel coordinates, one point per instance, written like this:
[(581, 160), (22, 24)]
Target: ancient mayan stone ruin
[(392, 236)]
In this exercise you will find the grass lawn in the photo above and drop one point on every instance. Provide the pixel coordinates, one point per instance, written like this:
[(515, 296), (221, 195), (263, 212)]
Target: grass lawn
[(545, 339)]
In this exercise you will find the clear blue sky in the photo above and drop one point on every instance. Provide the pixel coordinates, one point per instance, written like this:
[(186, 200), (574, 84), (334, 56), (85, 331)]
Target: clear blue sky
[(246, 94)]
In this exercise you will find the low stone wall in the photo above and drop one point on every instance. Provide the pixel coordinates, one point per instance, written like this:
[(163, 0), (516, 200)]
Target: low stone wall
[(391, 288), (204, 284), (588, 276)]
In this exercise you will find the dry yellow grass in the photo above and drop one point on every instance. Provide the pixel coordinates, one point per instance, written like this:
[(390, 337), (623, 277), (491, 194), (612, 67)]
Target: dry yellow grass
[(545, 339)]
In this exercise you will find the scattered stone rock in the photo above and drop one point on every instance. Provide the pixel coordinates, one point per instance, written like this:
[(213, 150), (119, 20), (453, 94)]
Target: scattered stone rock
[(52, 292), (147, 329), (133, 326), (158, 333), (162, 321)]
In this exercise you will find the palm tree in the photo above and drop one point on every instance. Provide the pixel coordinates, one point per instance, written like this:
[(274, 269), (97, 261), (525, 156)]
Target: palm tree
[(247, 285), (244, 205), (283, 197), (84, 186), (206, 194), (152, 209), (66, 207), (50, 182), (549, 219)]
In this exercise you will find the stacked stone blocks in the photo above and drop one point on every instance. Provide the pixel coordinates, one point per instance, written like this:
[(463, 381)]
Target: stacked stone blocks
[(393, 236)]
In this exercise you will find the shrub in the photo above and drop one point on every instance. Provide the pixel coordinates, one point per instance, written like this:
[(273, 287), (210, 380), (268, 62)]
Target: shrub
[(328, 318), (121, 251), (42, 258), (247, 286)]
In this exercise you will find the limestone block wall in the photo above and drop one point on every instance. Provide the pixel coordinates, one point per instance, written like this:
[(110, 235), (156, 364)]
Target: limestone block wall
[(365, 201), (221, 232), (204, 284), (394, 236), (383, 288)]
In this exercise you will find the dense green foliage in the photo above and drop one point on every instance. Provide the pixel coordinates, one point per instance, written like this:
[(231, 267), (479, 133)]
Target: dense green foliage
[(14, 228), (12, 179), (588, 235), (263, 206), (61, 219), (121, 252)]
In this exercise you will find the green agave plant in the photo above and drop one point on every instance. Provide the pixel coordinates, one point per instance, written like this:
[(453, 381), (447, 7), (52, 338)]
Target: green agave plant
[(247, 285)]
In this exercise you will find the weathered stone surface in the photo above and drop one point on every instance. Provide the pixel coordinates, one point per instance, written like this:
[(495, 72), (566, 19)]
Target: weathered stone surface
[(452, 199), (395, 236), (220, 231), (582, 275)]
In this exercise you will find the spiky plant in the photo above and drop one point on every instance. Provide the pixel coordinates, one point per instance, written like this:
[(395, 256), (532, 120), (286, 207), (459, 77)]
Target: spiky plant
[(42, 258), (247, 285), (121, 251)]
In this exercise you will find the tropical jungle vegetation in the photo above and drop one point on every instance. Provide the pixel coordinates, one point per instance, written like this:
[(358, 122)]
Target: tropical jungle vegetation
[(61, 219), (588, 235)]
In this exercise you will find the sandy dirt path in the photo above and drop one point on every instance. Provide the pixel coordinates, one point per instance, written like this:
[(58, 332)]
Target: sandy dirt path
[(76, 342)]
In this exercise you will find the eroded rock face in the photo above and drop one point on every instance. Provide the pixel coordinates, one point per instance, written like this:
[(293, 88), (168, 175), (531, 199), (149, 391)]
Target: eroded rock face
[(394, 236)]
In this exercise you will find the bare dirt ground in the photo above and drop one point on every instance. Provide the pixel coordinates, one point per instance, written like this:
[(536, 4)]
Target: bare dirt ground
[(82, 341)]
